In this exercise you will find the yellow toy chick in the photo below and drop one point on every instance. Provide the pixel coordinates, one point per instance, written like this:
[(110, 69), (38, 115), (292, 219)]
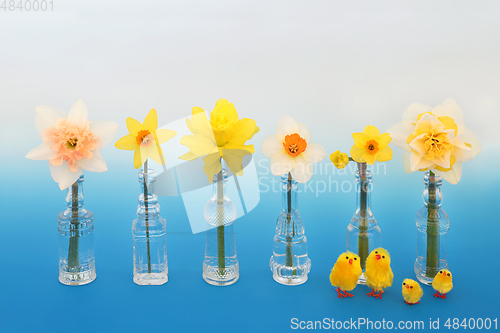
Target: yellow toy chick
[(412, 292), (378, 272), (345, 274), (442, 283)]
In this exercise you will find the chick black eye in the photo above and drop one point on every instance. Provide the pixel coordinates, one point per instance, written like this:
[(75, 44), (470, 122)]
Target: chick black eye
[(448, 274), (411, 287), (376, 252), (404, 284), (357, 259), (347, 257), (383, 256), (440, 271)]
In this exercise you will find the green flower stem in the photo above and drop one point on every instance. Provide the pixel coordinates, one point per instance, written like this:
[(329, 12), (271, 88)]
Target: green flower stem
[(289, 244), (221, 253), (146, 196), (363, 247), (432, 230), (73, 261)]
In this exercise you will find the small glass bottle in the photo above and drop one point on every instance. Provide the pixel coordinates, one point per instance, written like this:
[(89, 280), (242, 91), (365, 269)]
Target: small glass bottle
[(76, 239), (433, 225), (220, 267), (290, 263), (363, 233), (149, 235)]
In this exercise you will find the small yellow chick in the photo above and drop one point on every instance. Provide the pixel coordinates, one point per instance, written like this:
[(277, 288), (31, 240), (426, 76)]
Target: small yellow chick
[(412, 292), (442, 283), (345, 274), (378, 272)]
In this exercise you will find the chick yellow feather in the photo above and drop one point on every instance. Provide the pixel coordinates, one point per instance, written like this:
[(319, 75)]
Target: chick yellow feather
[(378, 272), (345, 273), (442, 283), (412, 292)]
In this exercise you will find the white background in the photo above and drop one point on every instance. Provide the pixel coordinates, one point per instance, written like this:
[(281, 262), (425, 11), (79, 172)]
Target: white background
[(334, 65)]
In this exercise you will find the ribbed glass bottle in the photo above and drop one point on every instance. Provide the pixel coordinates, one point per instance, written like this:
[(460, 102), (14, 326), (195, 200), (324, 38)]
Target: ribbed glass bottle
[(290, 263), (149, 235), (433, 225), (363, 233), (76, 239), (220, 267)]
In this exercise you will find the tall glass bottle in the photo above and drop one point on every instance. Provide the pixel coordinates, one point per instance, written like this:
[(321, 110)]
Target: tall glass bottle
[(149, 235), (363, 233), (433, 225), (220, 267), (76, 239), (289, 262)]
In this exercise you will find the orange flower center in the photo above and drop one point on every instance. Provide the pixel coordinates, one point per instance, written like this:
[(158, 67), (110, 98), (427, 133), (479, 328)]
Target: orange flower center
[(294, 144), (144, 138), (371, 146)]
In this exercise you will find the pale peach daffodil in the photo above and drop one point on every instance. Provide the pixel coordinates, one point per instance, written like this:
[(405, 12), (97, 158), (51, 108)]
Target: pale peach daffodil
[(291, 150), (71, 143), (435, 139)]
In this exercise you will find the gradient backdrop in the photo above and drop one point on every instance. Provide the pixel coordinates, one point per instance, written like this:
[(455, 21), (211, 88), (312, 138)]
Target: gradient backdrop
[(336, 66)]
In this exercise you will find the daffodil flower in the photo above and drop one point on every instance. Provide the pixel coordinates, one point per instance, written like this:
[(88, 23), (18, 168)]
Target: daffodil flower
[(340, 160), (223, 136), (291, 150), (145, 139), (435, 139), (371, 146), (71, 143)]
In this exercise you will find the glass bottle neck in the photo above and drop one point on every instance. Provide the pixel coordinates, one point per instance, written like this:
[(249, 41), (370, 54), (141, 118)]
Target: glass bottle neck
[(289, 193), (148, 201), (363, 179), (219, 187), (74, 197), (432, 195)]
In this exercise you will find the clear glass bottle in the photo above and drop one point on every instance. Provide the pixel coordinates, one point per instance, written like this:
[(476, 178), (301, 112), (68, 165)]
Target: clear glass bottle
[(363, 233), (76, 239), (433, 225), (220, 267), (149, 235), (289, 262)]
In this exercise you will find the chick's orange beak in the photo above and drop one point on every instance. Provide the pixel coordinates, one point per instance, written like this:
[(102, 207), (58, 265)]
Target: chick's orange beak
[(444, 273), (378, 256), (407, 286), (350, 261)]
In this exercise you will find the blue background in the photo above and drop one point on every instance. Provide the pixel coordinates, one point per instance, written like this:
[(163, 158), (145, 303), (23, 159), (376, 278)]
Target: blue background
[(32, 299), (336, 66)]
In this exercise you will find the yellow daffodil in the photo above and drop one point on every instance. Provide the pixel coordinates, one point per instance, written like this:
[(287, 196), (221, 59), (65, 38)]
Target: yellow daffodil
[(340, 160), (145, 139), (435, 139), (223, 136), (371, 146), (291, 150)]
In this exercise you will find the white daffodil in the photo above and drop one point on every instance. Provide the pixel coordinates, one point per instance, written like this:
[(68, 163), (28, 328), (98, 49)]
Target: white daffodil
[(71, 143), (435, 139), (291, 150)]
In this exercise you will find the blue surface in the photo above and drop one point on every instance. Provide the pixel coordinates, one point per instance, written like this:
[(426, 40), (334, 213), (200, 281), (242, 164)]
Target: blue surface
[(32, 299)]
